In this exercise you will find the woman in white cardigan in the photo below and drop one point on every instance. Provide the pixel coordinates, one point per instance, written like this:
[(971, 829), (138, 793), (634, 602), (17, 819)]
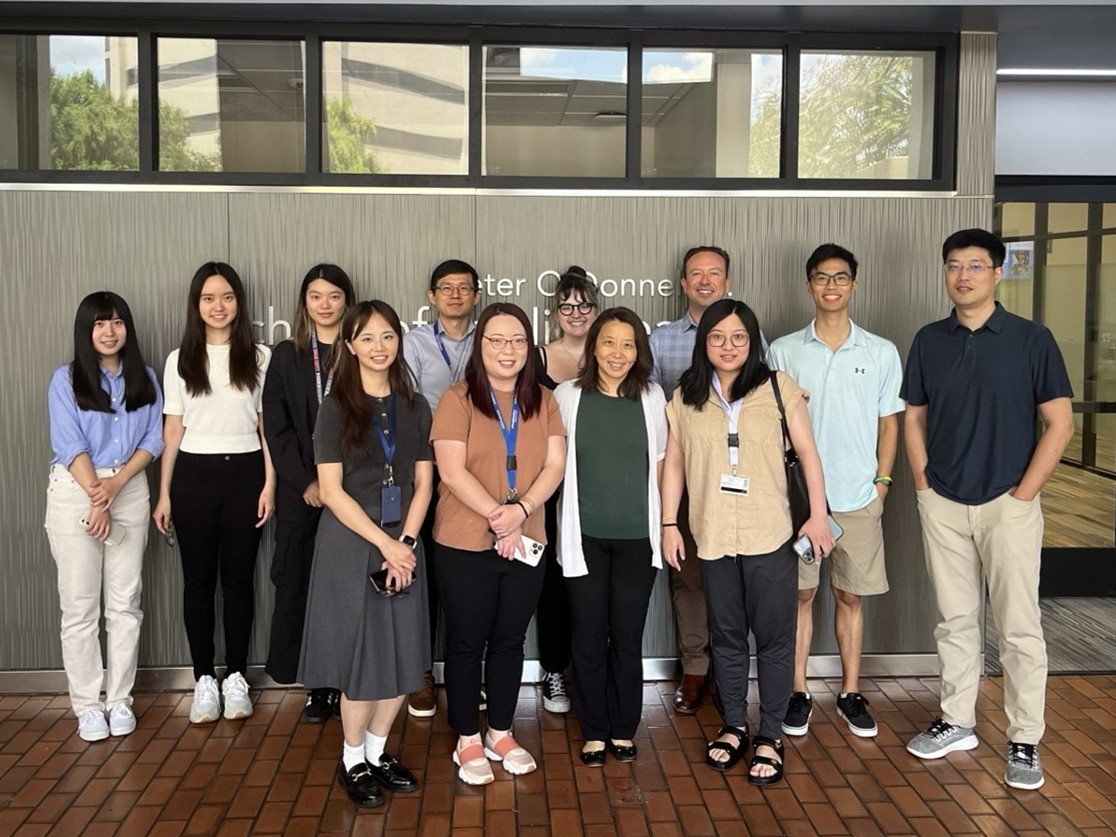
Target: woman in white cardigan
[(609, 535)]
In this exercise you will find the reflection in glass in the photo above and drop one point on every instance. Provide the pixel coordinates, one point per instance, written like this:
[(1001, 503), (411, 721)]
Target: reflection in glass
[(398, 108), (711, 113), (1067, 217), (866, 115), (230, 105), (554, 111), (65, 105), (1017, 219)]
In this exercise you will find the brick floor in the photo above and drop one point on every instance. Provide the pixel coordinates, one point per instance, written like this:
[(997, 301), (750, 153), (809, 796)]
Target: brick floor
[(274, 775)]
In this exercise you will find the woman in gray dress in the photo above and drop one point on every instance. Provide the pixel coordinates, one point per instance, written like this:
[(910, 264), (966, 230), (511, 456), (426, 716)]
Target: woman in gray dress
[(366, 630)]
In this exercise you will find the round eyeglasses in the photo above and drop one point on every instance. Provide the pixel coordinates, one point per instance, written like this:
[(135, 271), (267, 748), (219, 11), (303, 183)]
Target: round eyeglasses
[(717, 339), (567, 308)]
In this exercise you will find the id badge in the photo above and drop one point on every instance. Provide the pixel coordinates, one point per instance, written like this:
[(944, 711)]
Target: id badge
[(391, 505), (732, 484)]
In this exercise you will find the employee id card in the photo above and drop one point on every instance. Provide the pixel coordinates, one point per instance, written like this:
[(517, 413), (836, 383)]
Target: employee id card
[(734, 484)]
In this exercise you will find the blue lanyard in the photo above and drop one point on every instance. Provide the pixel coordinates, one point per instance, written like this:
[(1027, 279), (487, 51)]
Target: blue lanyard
[(387, 439), (318, 369), (510, 435), (442, 346), (733, 412)]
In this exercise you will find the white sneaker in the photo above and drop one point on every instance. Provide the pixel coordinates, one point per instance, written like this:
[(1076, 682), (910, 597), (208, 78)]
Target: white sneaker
[(237, 702), (207, 701), (92, 725), (121, 719)]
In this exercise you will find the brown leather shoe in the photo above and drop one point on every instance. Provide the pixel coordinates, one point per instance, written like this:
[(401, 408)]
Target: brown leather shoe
[(690, 694), (423, 703)]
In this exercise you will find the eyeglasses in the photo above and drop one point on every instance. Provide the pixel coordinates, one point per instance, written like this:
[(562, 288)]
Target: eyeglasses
[(455, 290), (975, 268), (498, 343), (567, 308), (717, 339), (841, 280)]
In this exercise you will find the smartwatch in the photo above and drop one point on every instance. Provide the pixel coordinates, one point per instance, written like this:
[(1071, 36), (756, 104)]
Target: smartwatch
[(407, 539)]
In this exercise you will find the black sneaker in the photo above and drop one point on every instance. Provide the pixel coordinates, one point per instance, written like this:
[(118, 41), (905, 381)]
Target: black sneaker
[(853, 707), (799, 710), (555, 697), (319, 706)]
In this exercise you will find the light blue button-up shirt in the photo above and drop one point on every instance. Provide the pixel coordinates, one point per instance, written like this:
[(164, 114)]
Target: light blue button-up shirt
[(110, 439), (850, 390)]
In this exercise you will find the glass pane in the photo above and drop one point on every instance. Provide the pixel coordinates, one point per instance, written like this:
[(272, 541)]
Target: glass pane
[(555, 111), (1017, 219), (712, 113), (395, 108), (228, 105), (1109, 216), (1017, 290), (1068, 217), (866, 115), (1063, 305), (65, 103), (1078, 505)]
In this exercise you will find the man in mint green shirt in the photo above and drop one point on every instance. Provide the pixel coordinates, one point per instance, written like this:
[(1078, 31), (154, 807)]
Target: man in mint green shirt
[(853, 377)]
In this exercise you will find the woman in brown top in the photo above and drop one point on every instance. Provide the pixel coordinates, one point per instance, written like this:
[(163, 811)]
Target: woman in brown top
[(726, 443), (500, 448)]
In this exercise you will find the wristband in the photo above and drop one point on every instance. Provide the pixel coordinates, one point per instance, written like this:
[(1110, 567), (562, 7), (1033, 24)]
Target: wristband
[(884, 479), (675, 525), (526, 513)]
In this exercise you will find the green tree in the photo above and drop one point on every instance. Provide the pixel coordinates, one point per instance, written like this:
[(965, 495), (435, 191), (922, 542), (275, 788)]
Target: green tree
[(175, 153), (349, 134)]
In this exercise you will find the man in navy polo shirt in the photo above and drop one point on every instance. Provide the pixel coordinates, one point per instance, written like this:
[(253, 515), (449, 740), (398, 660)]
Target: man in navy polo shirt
[(973, 384)]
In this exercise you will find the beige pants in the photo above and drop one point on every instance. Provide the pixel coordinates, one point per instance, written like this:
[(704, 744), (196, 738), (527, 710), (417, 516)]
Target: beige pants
[(1000, 540), (690, 619), (88, 569)]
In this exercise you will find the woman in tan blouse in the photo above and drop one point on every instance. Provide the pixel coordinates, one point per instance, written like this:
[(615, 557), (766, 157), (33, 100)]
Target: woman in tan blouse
[(501, 449), (726, 445)]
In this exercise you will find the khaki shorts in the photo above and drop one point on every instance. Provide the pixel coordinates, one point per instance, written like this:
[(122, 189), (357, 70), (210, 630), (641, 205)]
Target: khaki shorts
[(857, 564)]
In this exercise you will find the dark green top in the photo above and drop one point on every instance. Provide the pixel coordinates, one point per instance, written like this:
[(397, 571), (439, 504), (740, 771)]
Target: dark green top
[(612, 459)]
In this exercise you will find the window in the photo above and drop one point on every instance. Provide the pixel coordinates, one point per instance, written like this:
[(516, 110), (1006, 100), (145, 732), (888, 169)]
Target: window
[(395, 108), (711, 113), (556, 111), (866, 115), (231, 105), (65, 104)]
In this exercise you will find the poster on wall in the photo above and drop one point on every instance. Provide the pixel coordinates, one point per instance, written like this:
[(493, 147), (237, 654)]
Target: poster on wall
[(1020, 261)]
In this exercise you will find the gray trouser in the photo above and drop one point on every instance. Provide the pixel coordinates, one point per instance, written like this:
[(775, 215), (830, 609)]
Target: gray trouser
[(760, 593)]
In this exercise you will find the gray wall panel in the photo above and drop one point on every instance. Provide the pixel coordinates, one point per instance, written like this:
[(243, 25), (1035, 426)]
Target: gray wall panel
[(976, 114)]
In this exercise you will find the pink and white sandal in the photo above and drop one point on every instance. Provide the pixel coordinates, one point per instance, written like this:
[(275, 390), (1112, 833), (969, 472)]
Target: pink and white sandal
[(515, 759), (472, 766)]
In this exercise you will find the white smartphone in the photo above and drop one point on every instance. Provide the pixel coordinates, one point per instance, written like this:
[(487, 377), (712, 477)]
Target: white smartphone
[(805, 549), (532, 551), (117, 532)]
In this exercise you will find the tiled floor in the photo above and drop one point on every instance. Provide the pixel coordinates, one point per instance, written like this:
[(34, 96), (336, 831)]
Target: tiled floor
[(272, 774)]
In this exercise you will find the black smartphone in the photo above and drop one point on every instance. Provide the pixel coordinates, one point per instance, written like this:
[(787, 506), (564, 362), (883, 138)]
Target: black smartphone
[(379, 581)]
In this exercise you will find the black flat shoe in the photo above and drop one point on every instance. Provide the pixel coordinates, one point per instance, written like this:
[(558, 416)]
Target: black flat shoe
[(392, 775), (360, 785), (623, 752), (319, 706), (593, 758), (734, 753), (777, 776)]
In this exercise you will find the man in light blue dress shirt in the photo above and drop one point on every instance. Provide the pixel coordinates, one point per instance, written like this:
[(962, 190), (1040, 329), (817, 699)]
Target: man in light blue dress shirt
[(853, 378)]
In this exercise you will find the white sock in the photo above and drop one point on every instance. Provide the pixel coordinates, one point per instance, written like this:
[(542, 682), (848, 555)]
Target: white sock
[(843, 695), (352, 756), (374, 747)]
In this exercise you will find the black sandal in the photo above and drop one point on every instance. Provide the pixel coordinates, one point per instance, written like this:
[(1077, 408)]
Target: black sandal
[(777, 776), (735, 754)]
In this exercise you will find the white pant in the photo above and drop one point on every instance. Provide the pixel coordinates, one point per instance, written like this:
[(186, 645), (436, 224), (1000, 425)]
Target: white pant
[(85, 565)]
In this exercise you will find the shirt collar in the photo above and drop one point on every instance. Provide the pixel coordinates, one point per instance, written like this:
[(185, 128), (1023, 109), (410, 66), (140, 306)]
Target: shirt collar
[(994, 323), (856, 335), (112, 376)]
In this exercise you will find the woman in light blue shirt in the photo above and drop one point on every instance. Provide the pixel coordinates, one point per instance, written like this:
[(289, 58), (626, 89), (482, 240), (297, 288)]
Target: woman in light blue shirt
[(105, 427)]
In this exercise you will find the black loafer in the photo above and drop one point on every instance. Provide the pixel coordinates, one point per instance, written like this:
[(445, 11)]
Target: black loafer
[(360, 785), (319, 706), (623, 752), (392, 775), (593, 758)]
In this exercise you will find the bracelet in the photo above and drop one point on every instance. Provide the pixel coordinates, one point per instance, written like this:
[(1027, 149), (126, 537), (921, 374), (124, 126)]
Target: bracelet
[(882, 478), (675, 525), (523, 508), (530, 504)]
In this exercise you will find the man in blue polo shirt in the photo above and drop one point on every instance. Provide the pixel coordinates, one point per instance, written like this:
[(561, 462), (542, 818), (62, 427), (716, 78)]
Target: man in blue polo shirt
[(973, 384), (853, 378)]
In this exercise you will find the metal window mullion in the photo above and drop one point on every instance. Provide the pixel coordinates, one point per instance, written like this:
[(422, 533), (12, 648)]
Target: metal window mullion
[(633, 167), (792, 78), (312, 105), (475, 99), (148, 102), (1091, 314)]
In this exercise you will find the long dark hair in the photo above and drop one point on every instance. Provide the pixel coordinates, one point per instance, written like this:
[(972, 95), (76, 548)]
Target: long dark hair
[(527, 390), (302, 323), (85, 371), (193, 362), (348, 390), (639, 376), (696, 380)]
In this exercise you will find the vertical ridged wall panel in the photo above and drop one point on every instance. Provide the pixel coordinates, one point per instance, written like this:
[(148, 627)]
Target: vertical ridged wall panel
[(976, 114)]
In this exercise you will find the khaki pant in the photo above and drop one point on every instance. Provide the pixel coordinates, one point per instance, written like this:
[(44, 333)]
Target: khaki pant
[(1000, 540), (690, 620)]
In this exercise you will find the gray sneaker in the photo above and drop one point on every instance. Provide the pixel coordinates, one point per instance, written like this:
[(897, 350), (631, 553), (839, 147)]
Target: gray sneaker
[(942, 738), (1024, 770)]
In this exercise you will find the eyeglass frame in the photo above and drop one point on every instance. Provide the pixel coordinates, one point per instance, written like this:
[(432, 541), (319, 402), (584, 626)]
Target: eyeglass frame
[(567, 308), (841, 280), (456, 290), (718, 339), (975, 268), (518, 344)]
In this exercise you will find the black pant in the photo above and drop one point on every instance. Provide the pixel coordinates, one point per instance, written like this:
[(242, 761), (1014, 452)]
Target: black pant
[(488, 601), (433, 599), (609, 608), (290, 573), (552, 623), (758, 592), (214, 502)]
